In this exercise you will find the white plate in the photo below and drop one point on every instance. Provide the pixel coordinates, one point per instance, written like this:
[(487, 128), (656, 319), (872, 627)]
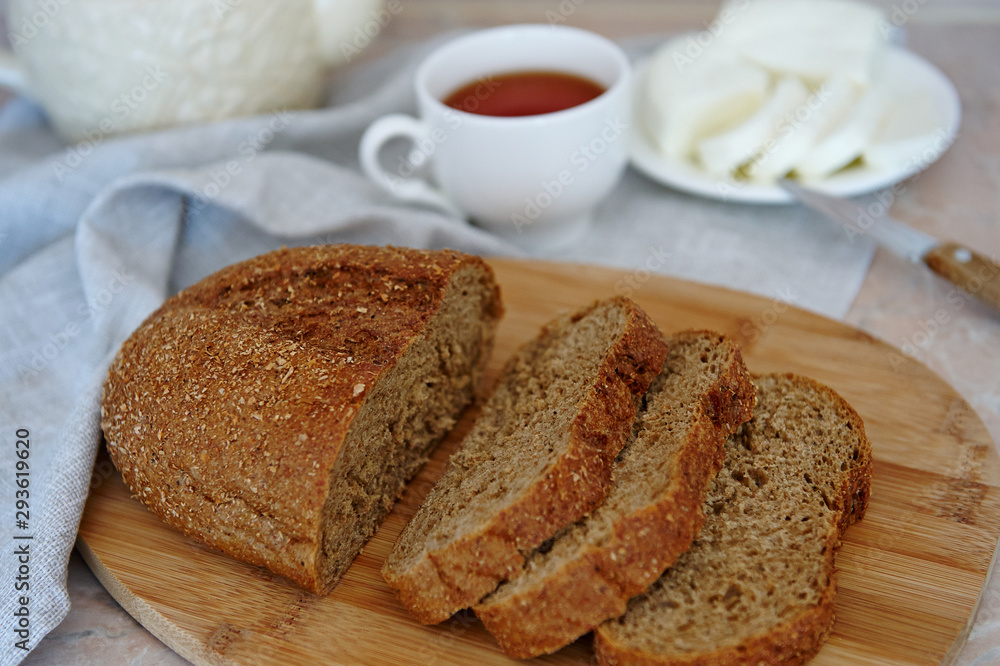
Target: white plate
[(687, 177)]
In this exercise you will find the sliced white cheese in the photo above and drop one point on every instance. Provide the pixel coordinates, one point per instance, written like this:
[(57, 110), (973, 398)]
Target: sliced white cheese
[(825, 108), (848, 141), (810, 39), (685, 98), (724, 153)]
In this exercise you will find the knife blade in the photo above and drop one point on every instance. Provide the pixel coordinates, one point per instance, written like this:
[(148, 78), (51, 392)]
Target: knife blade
[(973, 272)]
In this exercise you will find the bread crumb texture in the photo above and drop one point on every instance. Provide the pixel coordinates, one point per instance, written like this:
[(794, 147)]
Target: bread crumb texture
[(587, 572), (276, 409), (538, 458), (758, 585)]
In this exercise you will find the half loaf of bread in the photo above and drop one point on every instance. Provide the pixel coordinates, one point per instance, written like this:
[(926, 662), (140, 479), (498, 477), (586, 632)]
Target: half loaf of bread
[(538, 458), (758, 585), (276, 409), (651, 514)]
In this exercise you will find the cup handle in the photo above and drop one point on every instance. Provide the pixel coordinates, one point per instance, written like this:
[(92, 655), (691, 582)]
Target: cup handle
[(11, 73), (415, 190)]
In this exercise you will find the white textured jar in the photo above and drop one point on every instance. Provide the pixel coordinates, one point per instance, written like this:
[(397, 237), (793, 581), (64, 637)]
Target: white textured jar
[(102, 67)]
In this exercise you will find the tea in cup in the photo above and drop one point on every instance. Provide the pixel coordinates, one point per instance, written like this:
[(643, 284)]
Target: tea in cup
[(523, 129)]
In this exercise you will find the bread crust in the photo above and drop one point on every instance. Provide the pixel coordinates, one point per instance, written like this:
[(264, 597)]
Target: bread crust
[(468, 568), (566, 605), (227, 409), (798, 639)]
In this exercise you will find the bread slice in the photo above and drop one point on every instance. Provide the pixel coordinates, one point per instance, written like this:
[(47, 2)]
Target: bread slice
[(538, 458), (652, 512), (276, 409), (758, 585)]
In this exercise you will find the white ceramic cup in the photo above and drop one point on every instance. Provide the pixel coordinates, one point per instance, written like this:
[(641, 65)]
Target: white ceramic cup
[(105, 67), (534, 179)]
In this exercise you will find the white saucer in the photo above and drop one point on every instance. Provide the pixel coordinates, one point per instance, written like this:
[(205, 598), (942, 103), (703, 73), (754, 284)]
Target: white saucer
[(852, 181)]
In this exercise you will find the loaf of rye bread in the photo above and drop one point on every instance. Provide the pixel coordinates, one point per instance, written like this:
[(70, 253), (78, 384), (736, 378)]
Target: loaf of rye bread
[(588, 572), (276, 409), (538, 458), (758, 585)]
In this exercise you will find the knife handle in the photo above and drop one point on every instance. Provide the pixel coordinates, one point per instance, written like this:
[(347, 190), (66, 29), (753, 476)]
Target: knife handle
[(973, 272)]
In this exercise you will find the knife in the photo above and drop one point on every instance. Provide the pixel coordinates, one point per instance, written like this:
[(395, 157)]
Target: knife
[(973, 272)]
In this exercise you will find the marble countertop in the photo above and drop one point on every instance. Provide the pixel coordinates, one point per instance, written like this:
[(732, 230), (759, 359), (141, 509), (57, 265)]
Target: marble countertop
[(902, 304)]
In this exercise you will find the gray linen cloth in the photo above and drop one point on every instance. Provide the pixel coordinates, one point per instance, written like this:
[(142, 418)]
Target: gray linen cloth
[(94, 237)]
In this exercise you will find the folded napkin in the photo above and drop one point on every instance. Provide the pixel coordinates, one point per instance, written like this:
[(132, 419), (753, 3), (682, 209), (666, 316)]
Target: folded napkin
[(94, 237)]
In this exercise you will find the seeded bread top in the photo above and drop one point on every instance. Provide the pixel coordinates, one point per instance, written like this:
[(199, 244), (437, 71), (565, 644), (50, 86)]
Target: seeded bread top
[(251, 377)]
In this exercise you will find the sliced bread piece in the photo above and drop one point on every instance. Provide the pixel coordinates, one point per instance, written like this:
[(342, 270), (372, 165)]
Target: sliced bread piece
[(758, 585), (652, 512), (538, 458)]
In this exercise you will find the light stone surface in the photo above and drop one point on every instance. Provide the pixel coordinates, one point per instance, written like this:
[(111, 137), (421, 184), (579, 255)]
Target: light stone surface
[(904, 305)]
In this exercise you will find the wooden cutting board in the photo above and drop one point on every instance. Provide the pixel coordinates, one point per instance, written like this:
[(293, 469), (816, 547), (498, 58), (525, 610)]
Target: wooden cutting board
[(911, 572)]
